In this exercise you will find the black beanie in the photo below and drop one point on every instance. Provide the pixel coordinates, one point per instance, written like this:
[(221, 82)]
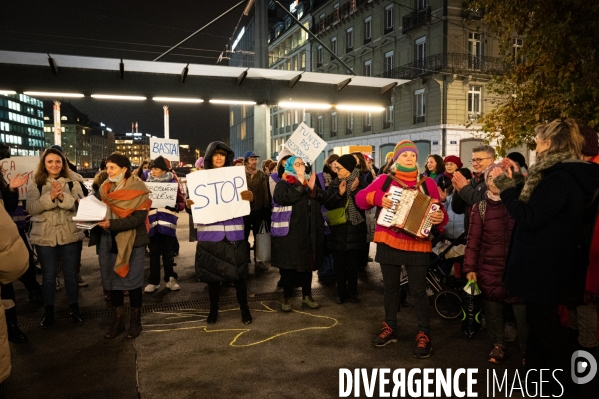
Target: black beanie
[(348, 161), (159, 163)]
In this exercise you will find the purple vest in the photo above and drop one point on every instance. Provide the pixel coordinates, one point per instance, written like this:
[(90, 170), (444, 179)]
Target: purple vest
[(279, 220), (323, 210), (232, 229), (163, 221), (20, 217)]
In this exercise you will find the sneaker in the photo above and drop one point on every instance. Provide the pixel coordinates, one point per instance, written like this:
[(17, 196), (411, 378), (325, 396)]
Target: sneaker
[(261, 266), (386, 337), (510, 333), (497, 354), (423, 347), (172, 284), (308, 300), (286, 305), (57, 284), (82, 283), (151, 288)]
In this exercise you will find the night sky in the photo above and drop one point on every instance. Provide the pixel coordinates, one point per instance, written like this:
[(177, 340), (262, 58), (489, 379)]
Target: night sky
[(131, 30)]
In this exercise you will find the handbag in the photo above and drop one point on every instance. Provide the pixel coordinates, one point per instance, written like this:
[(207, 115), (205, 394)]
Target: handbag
[(338, 216), (262, 244)]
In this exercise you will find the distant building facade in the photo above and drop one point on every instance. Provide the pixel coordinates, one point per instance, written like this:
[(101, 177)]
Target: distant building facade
[(136, 146), (22, 124)]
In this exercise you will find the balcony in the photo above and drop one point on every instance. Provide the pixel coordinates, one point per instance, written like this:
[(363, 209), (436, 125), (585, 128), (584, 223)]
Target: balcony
[(367, 40), (349, 49), (454, 62), (339, 14), (418, 119), (367, 128), (333, 133), (348, 130), (416, 19), (387, 124), (473, 116)]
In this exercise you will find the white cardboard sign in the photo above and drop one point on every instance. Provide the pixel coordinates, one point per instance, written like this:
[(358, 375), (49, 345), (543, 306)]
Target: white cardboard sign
[(305, 143), (167, 148), (216, 194), (163, 194), (21, 165)]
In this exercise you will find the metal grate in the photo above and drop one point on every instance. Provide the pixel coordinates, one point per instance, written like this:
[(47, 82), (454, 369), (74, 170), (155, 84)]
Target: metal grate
[(106, 312)]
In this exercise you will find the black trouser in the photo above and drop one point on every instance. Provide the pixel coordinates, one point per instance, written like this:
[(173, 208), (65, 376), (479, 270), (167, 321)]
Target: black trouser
[(252, 222), (346, 265), (117, 298), (417, 280), (161, 245), (28, 278), (288, 278), (241, 292), (547, 348), (176, 245)]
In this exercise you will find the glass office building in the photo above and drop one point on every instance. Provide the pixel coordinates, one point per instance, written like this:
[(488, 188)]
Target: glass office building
[(22, 124)]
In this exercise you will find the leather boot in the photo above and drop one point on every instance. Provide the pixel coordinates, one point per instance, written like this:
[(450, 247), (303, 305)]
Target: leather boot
[(75, 314), (246, 316), (135, 326), (213, 316), (14, 332), (118, 324), (48, 318)]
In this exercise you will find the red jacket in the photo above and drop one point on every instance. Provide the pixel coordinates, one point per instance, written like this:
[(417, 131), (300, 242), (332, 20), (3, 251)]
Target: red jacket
[(487, 249)]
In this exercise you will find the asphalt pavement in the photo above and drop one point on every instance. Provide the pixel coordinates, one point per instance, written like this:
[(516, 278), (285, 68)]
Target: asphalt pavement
[(279, 355)]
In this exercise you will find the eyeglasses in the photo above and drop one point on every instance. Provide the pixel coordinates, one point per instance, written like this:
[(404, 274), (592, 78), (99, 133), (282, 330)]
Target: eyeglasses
[(479, 160), (298, 164)]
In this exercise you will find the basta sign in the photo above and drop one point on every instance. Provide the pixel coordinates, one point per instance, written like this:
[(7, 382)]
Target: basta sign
[(167, 148)]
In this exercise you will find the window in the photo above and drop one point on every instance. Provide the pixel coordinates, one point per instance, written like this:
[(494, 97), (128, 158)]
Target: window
[(333, 124), (302, 60), (474, 102), (334, 44), (320, 125), (517, 44), (368, 30), (388, 63), (420, 4), (419, 106), (389, 18), (420, 56), (367, 125), (368, 68), (350, 123), (336, 13), (388, 122), (423, 147), (319, 56), (474, 50), (383, 150), (349, 40)]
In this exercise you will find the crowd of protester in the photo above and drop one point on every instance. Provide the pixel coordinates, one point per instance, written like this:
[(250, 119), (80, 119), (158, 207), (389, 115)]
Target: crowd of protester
[(520, 230)]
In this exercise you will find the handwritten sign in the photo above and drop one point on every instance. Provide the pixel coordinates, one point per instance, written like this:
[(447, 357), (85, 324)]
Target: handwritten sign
[(163, 194), (167, 148), (89, 184), (21, 165), (305, 143), (216, 194)]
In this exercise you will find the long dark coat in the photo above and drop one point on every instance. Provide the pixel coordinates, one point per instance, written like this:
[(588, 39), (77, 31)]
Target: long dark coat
[(487, 249), (544, 262), (346, 237), (303, 247)]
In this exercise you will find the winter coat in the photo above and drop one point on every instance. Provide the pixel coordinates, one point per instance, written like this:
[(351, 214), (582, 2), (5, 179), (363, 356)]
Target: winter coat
[(303, 247), (52, 220), (455, 225), (224, 260), (10, 198), (470, 194), (14, 261), (487, 248), (346, 237), (544, 263)]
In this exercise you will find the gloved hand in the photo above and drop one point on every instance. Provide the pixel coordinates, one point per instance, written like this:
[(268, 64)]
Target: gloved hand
[(247, 195), (188, 203), (172, 209)]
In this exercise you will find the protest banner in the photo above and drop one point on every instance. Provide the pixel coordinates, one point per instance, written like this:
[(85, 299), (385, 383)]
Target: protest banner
[(305, 143), (167, 148), (21, 165), (216, 194), (163, 194)]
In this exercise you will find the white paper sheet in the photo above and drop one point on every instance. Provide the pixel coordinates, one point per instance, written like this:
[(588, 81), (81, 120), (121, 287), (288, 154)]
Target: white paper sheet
[(90, 210)]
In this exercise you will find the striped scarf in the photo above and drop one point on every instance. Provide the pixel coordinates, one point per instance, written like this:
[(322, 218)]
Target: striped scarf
[(353, 214)]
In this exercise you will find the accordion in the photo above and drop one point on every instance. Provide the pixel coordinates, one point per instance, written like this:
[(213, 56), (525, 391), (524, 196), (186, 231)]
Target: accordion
[(410, 212)]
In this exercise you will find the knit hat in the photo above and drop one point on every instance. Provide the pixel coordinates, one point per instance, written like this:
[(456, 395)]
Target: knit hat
[(367, 157), (200, 163), (454, 159), (389, 155), (591, 146), (57, 147), (490, 168), (518, 158), (403, 146), (348, 161), (159, 163)]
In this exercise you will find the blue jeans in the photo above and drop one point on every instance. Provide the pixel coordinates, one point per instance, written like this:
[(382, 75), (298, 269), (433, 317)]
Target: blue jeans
[(69, 255)]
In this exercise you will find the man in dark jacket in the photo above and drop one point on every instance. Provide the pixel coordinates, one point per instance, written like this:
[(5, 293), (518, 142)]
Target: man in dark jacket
[(473, 191), (257, 182)]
